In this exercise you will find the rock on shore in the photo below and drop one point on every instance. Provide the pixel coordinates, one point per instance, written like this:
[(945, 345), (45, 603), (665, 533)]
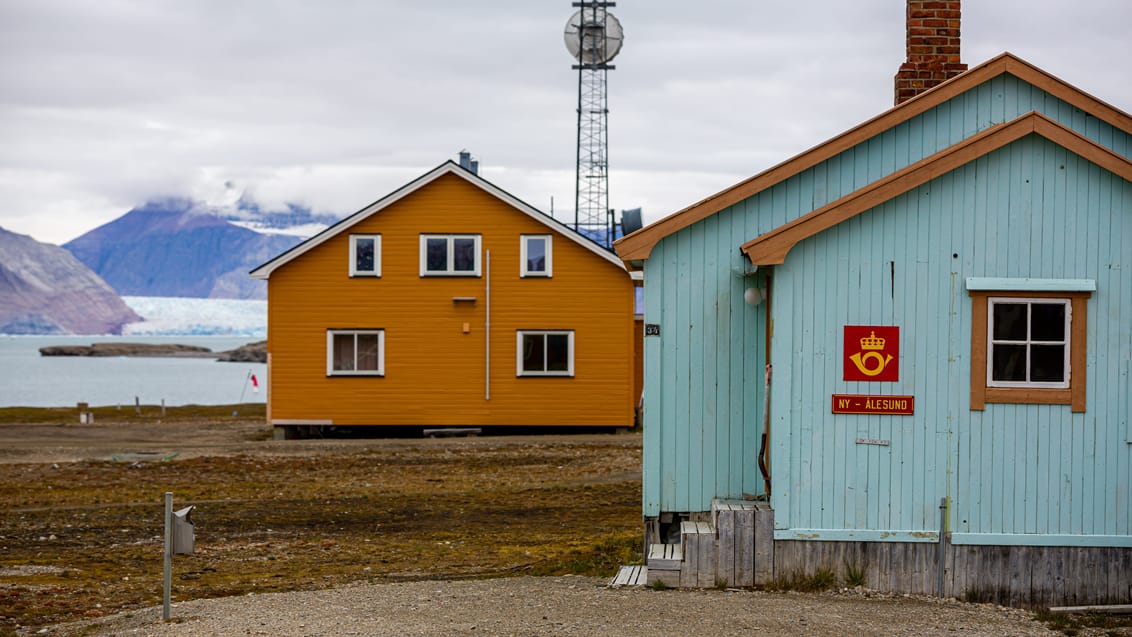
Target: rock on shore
[(126, 349), (250, 353)]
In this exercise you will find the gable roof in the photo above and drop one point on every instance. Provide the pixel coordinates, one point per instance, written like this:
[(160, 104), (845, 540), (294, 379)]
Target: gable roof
[(447, 168), (771, 247), (638, 245)]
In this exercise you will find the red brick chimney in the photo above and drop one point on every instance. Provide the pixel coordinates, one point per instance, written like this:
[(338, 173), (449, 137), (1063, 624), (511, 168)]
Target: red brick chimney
[(933, 47)]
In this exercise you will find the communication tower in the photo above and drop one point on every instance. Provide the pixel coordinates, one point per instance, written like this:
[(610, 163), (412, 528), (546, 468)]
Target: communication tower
[(593, 38)]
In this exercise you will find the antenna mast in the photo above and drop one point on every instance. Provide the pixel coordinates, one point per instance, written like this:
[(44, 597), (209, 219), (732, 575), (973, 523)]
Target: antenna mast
[(593, 37)]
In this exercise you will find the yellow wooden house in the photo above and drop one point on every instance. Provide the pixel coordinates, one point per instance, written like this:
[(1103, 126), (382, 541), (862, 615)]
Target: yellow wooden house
[(449, 303)]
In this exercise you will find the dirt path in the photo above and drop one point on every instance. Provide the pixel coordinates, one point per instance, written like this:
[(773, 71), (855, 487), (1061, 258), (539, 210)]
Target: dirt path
[(311, 536)]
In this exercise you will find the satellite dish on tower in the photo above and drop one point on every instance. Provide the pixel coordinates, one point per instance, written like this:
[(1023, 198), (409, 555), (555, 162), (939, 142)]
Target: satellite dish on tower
[(593, 36)]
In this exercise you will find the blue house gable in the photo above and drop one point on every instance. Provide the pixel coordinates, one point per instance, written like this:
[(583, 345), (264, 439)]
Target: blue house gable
[(972, 249)]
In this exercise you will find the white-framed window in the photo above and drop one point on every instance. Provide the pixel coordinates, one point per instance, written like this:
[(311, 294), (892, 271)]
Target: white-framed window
[(1029, 342), (365, 255), (450, 255), (544, 353), (355, 352), (535, 255)]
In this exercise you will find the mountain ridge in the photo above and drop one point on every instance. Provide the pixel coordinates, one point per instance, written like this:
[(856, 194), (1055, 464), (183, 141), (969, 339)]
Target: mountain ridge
[(179, 247), (44, 289)]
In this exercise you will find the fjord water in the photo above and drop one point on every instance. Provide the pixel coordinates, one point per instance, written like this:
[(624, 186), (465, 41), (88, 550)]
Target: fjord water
[(30, 380)]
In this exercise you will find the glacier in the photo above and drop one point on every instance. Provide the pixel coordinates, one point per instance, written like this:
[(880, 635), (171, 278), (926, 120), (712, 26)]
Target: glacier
[(179, 316)]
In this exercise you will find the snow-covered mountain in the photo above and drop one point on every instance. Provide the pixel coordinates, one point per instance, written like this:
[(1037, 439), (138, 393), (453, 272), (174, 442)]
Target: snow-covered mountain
[(182, 248), (45, 290), (294, 220)]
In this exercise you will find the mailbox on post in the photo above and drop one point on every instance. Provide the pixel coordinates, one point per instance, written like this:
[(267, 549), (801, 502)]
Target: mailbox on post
[(183, 537), (179, 540)]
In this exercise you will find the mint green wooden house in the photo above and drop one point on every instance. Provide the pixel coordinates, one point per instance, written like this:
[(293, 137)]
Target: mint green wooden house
[(983, 231)]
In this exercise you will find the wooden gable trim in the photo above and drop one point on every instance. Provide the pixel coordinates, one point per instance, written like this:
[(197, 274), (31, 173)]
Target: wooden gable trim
[(771, 248), (447, 168), (638, 245)]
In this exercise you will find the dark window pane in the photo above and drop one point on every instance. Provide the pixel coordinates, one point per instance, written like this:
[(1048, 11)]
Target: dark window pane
[(1009, 322), (557, 353), (343, 352), (1047, 363), (533, 353), (436, 255), (363, 255), (1047, 322), (465, 255), (367, 352), (536, 254), (1009, 363)]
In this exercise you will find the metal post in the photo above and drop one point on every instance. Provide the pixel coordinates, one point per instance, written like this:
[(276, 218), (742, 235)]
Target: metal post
[(168, 553), (487, 327), (942, 529)]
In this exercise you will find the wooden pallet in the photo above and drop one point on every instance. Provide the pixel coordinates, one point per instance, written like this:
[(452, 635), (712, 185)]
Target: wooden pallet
[(630, 576), (735, 549)]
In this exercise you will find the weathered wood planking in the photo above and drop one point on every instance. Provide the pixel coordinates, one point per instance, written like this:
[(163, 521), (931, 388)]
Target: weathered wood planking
[(1028, 576), (726, 559), (764, 545), (635, 575)]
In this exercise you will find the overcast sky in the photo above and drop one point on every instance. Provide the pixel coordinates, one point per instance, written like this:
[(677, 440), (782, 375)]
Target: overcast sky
[(334, 103)]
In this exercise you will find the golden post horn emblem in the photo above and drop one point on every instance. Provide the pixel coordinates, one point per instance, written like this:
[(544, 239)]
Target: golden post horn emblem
[(869, 360)]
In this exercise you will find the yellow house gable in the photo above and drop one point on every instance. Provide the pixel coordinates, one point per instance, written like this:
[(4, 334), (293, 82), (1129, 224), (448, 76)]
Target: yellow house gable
[(450, 347)]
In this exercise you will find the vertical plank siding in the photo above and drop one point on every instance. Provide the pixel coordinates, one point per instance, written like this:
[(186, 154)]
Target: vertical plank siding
[(1020, 472), (1006, 468), (434, 370), (1033, 576), (707, 430)]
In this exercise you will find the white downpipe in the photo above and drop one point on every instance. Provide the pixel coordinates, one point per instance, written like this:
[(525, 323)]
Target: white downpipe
[(487, 328)]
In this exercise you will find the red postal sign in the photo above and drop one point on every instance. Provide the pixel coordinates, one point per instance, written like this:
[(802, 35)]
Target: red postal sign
[(872, 352), (884, 405)]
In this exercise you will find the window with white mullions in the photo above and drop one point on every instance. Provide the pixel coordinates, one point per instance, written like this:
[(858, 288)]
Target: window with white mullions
[(450, 255), (535, 255), (1029, 342), (365, 255), (355, 352), (545, 353)]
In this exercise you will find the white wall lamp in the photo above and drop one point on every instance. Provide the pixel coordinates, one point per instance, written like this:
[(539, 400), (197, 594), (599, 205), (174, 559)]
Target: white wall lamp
[(754, 295)]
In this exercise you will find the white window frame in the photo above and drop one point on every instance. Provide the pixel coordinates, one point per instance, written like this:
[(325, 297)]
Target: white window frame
[(354, 271), (523, 243), (330, 371), (568, 372), (1066, 342), (475, 272)]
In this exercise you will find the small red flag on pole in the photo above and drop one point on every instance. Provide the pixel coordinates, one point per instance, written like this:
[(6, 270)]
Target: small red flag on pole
[(255, 385)]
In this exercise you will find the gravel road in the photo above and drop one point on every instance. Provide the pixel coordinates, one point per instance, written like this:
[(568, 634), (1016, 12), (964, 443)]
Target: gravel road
[(563, 606)]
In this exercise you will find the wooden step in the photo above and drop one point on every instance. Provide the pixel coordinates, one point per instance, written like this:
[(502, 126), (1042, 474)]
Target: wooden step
[(636, 575), (699, 566), (665, 557)]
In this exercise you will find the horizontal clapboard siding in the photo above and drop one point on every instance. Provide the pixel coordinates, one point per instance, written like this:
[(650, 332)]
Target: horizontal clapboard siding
[(434, 371)]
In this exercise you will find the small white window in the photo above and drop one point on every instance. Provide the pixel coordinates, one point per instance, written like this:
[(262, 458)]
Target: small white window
[(355, 352), (1029, 342), (535, 255), (450, 255), (365, 255), (545, 353)]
